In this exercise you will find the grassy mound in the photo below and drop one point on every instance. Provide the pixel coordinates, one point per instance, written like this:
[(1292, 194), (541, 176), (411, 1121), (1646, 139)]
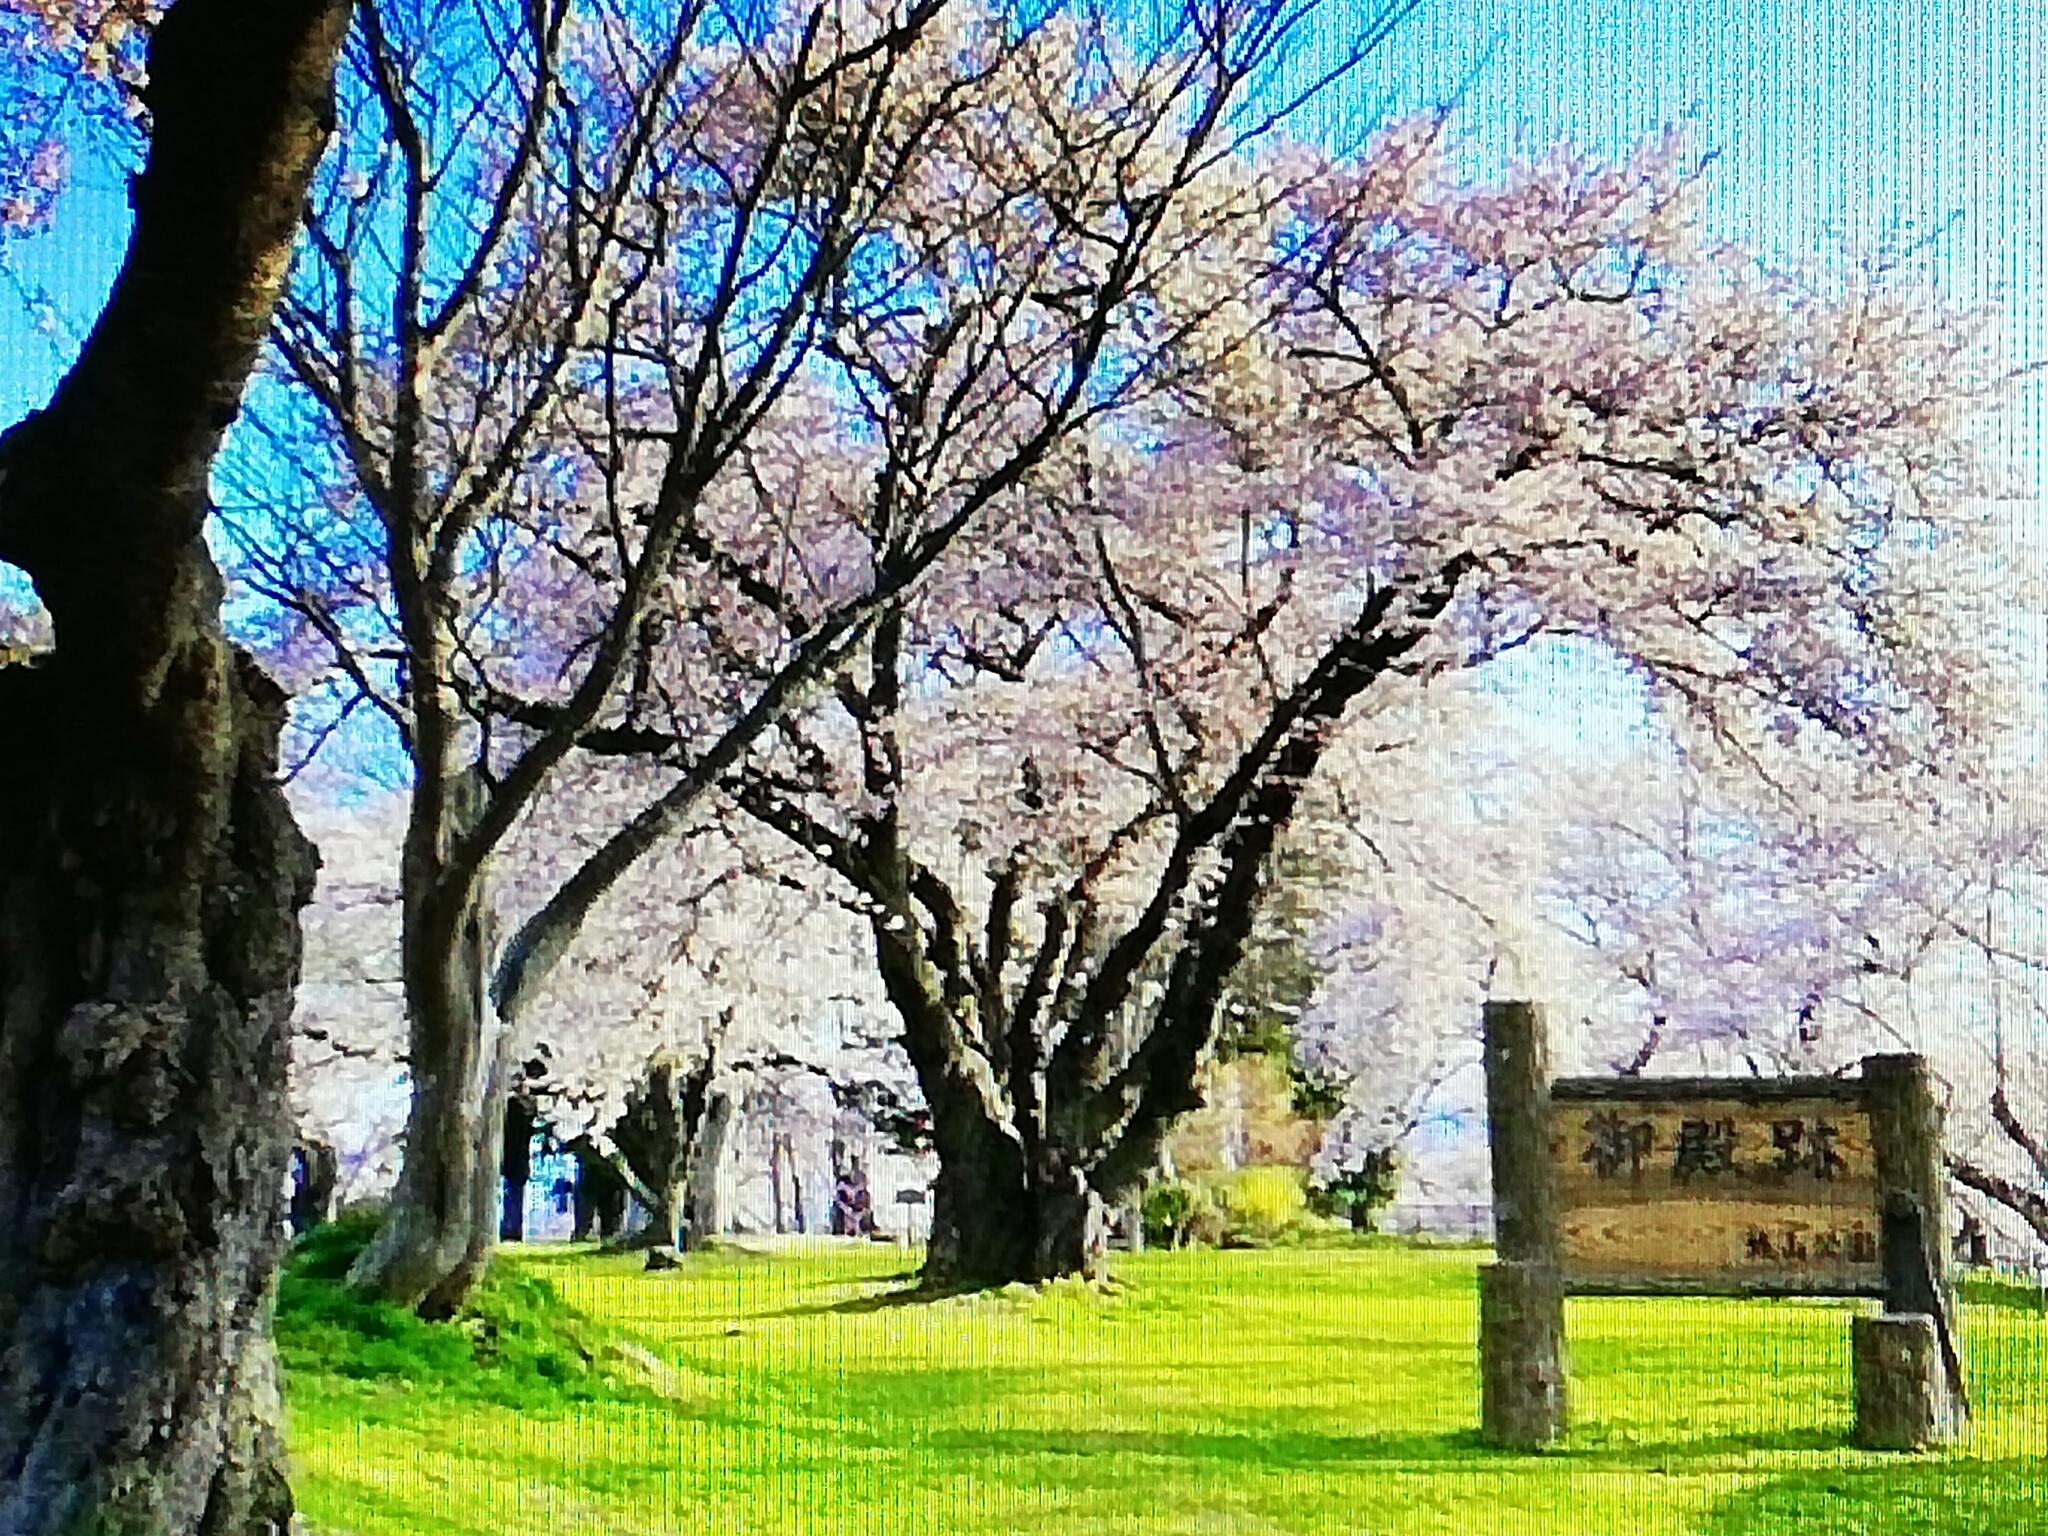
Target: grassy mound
[(516, 1343)]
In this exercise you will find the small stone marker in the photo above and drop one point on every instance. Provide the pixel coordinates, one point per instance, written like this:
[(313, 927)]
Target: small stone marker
[(1795, 1186), (906, 1197), (1902, 1397)]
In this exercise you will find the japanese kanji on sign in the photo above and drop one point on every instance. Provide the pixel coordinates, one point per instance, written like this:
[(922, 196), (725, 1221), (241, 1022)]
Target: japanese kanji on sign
[(1682, 1185)]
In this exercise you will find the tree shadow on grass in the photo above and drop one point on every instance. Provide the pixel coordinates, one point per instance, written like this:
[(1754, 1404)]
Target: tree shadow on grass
[(913, 1290), (1939, 1497), (913, 1294), (1300, 1450), (1659, 1455), (1277, 1450), (721, 1256)]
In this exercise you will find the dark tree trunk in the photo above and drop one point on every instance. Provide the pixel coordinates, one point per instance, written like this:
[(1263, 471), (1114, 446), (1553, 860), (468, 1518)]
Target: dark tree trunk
[(985, 1218), (313, 1188), (600, 1194), (1042, 1110), (609, 1206), (443, 1215), (1973, 1243), (665, 1222), (485, 1198), (582, 1197), (657, 1136), (150, 871), (708, 1216), (987, 1233), (1005, 1207), (583, 1208), (1073, 1227), (518, 1167), (654, 1140), (146, 1124), (984, 1222)]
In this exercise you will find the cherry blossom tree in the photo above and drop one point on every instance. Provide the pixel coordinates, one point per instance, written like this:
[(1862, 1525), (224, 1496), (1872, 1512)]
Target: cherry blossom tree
[(1424, 883), (24, 627), (706, 969), (1431, 422), (348, 1016), (1742, 934), (710, 969), (1997, 1129), (520, 465), (101, 39)]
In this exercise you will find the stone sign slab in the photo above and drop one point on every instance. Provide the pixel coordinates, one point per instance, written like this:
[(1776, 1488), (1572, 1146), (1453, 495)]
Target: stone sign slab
[(1787, 1186)]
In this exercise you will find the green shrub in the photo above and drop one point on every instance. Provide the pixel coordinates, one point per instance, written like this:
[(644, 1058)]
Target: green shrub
[(1167, 1209), (1358, 1195), (1252, 1207), (1261, 1204), (1208, 1224)]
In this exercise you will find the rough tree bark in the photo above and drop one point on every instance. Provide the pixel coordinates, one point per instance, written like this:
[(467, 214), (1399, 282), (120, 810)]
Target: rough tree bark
[(985, 1218), (150, 871), (485, 1204), (442, 1220)]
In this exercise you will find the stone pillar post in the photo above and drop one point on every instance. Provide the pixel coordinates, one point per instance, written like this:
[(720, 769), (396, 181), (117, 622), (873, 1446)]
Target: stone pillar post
[(1521, 1296)]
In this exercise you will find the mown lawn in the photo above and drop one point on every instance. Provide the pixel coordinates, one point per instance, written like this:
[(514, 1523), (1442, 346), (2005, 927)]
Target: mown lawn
[(1287, 1391)]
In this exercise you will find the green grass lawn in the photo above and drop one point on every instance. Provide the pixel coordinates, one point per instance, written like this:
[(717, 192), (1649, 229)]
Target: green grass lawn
[(1284, 1391)]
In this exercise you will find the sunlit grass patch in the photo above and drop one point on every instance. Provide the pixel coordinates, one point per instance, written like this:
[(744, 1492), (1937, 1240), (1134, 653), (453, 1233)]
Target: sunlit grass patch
[(1243, 1392)]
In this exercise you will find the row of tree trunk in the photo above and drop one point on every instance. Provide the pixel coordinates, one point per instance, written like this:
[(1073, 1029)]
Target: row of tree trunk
[(672, 1139)]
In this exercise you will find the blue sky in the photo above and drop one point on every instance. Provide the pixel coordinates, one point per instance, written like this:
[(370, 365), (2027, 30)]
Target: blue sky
[(1841, 125), (1851, 120)]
